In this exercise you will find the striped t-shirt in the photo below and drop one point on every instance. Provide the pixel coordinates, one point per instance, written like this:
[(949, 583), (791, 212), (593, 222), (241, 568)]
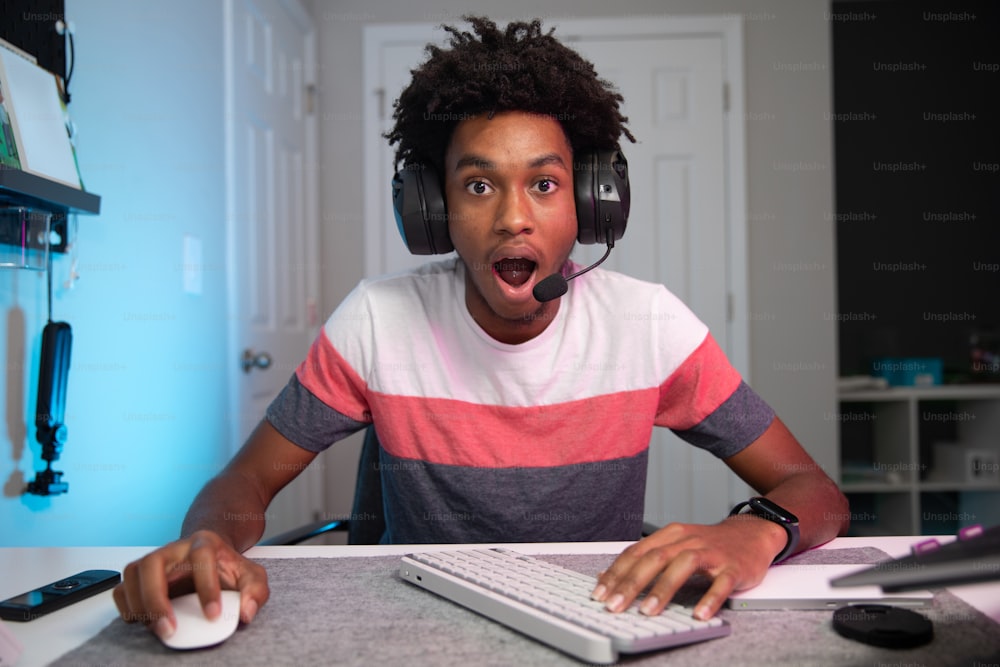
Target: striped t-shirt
[(547, 440)]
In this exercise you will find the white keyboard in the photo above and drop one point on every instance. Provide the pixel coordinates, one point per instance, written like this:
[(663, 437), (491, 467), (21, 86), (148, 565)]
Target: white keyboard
[(551, 603)]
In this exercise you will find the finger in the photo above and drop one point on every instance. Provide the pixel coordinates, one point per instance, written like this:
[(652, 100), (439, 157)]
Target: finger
[(121, 601), (132, 598), (674, 575), (251, 581), (204, 563), (148, 589), (607, 579), (670, 534), (716, 595), (626, 588), (133, 603)]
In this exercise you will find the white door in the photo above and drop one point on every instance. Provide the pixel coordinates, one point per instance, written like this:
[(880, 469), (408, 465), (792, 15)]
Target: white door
[(686, 224), (673, 90), (271, 223)]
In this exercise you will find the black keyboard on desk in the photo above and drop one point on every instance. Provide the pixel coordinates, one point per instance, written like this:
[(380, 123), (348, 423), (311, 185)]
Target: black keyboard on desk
[(972, 558), (551, 603)]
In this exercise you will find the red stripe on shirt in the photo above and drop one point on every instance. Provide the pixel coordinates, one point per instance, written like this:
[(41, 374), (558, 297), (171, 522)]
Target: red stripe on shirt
[(706, 377), (332, 380), (595, 430)]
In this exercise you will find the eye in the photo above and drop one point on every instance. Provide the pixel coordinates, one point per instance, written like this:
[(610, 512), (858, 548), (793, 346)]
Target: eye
[(546, 185), (478, 188)]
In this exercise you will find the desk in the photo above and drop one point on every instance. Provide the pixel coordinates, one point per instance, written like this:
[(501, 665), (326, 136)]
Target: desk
[(49, 637)]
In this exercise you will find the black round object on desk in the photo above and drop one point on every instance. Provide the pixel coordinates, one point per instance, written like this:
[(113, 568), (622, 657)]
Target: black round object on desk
[(882, 625)]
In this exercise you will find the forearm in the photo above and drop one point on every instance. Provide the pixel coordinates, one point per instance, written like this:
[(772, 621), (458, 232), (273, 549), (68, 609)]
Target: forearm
[(230, 506), (233, 504), (779, 468)]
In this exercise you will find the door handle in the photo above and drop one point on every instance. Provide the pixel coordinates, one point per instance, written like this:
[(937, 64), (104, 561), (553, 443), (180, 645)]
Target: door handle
[(250, 361)]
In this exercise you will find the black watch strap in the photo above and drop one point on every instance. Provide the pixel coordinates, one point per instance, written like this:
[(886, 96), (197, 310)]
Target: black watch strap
[(767, 509)]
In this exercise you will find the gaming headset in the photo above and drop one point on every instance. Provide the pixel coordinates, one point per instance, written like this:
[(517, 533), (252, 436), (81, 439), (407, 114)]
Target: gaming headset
[(601, 190)]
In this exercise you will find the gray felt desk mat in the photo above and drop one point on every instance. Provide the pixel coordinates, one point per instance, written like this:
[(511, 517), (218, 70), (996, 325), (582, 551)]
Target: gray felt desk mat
[(356, 611)]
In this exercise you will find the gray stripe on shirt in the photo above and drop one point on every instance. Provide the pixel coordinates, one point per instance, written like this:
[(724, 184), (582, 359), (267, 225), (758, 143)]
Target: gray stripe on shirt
[(734, 425), (307, 421)]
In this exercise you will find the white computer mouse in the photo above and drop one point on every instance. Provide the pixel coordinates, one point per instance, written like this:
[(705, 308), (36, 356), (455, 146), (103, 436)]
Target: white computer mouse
[(195, 630)]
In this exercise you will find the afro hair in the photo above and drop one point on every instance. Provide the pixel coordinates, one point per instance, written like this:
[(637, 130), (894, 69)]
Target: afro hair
[(490, 70)]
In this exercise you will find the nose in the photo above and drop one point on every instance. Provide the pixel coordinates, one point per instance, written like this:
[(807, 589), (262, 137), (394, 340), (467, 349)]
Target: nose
[(514, 214)]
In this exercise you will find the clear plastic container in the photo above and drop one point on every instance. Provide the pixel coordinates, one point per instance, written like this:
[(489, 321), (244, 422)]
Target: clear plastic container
[(24, 238)]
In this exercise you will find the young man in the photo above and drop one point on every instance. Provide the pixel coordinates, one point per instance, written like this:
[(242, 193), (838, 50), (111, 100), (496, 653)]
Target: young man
[(502, 417)]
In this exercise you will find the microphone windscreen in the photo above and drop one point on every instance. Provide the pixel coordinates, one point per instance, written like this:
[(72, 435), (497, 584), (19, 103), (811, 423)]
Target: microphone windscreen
[(550, 288)]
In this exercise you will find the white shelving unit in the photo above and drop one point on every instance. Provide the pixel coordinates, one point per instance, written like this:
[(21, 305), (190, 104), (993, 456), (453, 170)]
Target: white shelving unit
[(921, 460)]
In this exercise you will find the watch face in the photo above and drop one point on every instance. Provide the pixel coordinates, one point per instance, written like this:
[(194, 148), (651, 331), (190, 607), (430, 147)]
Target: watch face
[(763, 505)]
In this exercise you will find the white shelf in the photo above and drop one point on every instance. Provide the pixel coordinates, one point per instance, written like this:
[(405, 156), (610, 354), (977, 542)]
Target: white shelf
[(876, 487), (960, 486), (891, 420), (907, 487), (937, 393)]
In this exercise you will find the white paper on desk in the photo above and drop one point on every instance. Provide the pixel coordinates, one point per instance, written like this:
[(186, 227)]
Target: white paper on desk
[(10, 648), (32, 98), (808, 587)]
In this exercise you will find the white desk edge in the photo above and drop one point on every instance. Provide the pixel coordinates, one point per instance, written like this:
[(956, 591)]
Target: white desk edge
[(49, 637)]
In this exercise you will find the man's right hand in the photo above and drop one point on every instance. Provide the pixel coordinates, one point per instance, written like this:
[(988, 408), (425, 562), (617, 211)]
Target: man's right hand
[(203, 562)]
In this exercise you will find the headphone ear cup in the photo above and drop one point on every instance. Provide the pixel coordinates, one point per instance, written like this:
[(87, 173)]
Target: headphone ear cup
[(421, 214), (603, 198)]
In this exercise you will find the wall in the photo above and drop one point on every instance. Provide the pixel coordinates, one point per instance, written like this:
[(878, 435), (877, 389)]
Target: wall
[(789, 167), (146, 402)]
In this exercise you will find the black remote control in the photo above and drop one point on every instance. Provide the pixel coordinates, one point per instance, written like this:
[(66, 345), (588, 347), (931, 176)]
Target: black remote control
[(29, 606)]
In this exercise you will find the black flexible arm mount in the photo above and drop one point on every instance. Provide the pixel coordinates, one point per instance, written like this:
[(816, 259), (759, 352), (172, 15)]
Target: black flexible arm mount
[(57, 339)]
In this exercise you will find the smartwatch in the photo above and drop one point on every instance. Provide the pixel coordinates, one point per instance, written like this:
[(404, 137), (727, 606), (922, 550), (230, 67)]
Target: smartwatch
[(771, 511)]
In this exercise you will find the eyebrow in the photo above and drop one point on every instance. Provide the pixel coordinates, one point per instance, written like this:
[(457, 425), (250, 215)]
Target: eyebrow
[(474, 161), (481, 162), (550, 158)]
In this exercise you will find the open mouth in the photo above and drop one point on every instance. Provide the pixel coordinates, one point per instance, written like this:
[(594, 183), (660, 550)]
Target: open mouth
[(514, 271)]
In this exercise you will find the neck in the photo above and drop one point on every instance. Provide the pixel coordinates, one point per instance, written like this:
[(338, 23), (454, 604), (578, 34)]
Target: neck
[(511, 331)]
